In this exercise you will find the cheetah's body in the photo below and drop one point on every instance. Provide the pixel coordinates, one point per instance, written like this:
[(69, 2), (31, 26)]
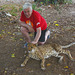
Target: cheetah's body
[(45, 51)]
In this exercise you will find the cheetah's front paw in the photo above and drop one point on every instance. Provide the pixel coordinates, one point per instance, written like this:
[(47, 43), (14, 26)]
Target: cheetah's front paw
[(22, 65), (43, 68)]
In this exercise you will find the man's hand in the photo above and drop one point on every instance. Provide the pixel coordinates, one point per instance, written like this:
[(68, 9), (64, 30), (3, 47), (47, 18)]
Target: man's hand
[(36, 39), (33, 42)]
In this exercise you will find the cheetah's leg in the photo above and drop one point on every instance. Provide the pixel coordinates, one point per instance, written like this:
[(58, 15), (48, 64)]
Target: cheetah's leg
[(61, 57), (56, 54), (68, 53), (41, 56), (43, 64), (25, 61)]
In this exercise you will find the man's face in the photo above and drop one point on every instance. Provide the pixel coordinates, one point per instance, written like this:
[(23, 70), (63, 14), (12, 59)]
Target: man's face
[(27, 12)]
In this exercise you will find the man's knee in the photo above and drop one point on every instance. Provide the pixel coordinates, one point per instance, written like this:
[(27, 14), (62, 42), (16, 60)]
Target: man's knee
[(23, 29)]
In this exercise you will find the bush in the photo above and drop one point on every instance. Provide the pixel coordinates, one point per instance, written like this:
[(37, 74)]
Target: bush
[(53, 1)]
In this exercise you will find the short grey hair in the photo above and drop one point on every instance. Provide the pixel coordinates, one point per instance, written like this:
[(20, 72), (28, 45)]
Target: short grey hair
[(27, 5)]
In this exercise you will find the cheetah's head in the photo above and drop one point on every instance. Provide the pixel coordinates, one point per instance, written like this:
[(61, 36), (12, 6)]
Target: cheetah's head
[(31, 46)]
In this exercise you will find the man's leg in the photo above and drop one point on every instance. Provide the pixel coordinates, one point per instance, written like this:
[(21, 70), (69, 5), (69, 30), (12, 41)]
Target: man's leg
[(25, 33), (47, 33)]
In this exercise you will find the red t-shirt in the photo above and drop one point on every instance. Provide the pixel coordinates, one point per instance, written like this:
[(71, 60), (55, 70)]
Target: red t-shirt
[(35, 20)]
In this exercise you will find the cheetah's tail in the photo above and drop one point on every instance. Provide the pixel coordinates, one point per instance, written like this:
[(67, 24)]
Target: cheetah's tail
[(68, 45)]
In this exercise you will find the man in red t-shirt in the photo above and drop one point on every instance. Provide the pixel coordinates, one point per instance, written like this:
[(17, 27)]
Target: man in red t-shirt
[(32, 21)]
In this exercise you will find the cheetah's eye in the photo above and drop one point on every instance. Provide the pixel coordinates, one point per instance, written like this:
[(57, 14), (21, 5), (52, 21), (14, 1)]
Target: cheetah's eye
[(31, 47)]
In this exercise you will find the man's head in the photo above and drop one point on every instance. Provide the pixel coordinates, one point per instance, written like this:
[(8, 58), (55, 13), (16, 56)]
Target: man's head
[(27, 8)]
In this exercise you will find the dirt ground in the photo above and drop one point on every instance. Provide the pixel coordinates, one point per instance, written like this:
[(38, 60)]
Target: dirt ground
[(61, 22)]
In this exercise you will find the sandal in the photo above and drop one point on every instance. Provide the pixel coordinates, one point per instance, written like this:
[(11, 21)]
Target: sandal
[(25, 45), (48, 36)]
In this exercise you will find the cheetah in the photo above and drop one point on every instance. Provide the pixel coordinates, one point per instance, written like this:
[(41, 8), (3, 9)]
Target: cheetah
[(45, 51)]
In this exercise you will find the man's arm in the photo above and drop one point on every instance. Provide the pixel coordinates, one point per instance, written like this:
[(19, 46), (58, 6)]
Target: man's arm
[(23, 24), (37, 35)]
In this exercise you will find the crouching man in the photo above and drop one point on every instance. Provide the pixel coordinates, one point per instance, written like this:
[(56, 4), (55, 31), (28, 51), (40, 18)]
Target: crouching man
[(32, 21)]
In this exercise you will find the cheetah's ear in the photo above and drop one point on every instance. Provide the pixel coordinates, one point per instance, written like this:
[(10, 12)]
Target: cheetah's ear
[(35, 45)]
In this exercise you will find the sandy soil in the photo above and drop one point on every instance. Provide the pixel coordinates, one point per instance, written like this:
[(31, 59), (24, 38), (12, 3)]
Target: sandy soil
[(62, 26)]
